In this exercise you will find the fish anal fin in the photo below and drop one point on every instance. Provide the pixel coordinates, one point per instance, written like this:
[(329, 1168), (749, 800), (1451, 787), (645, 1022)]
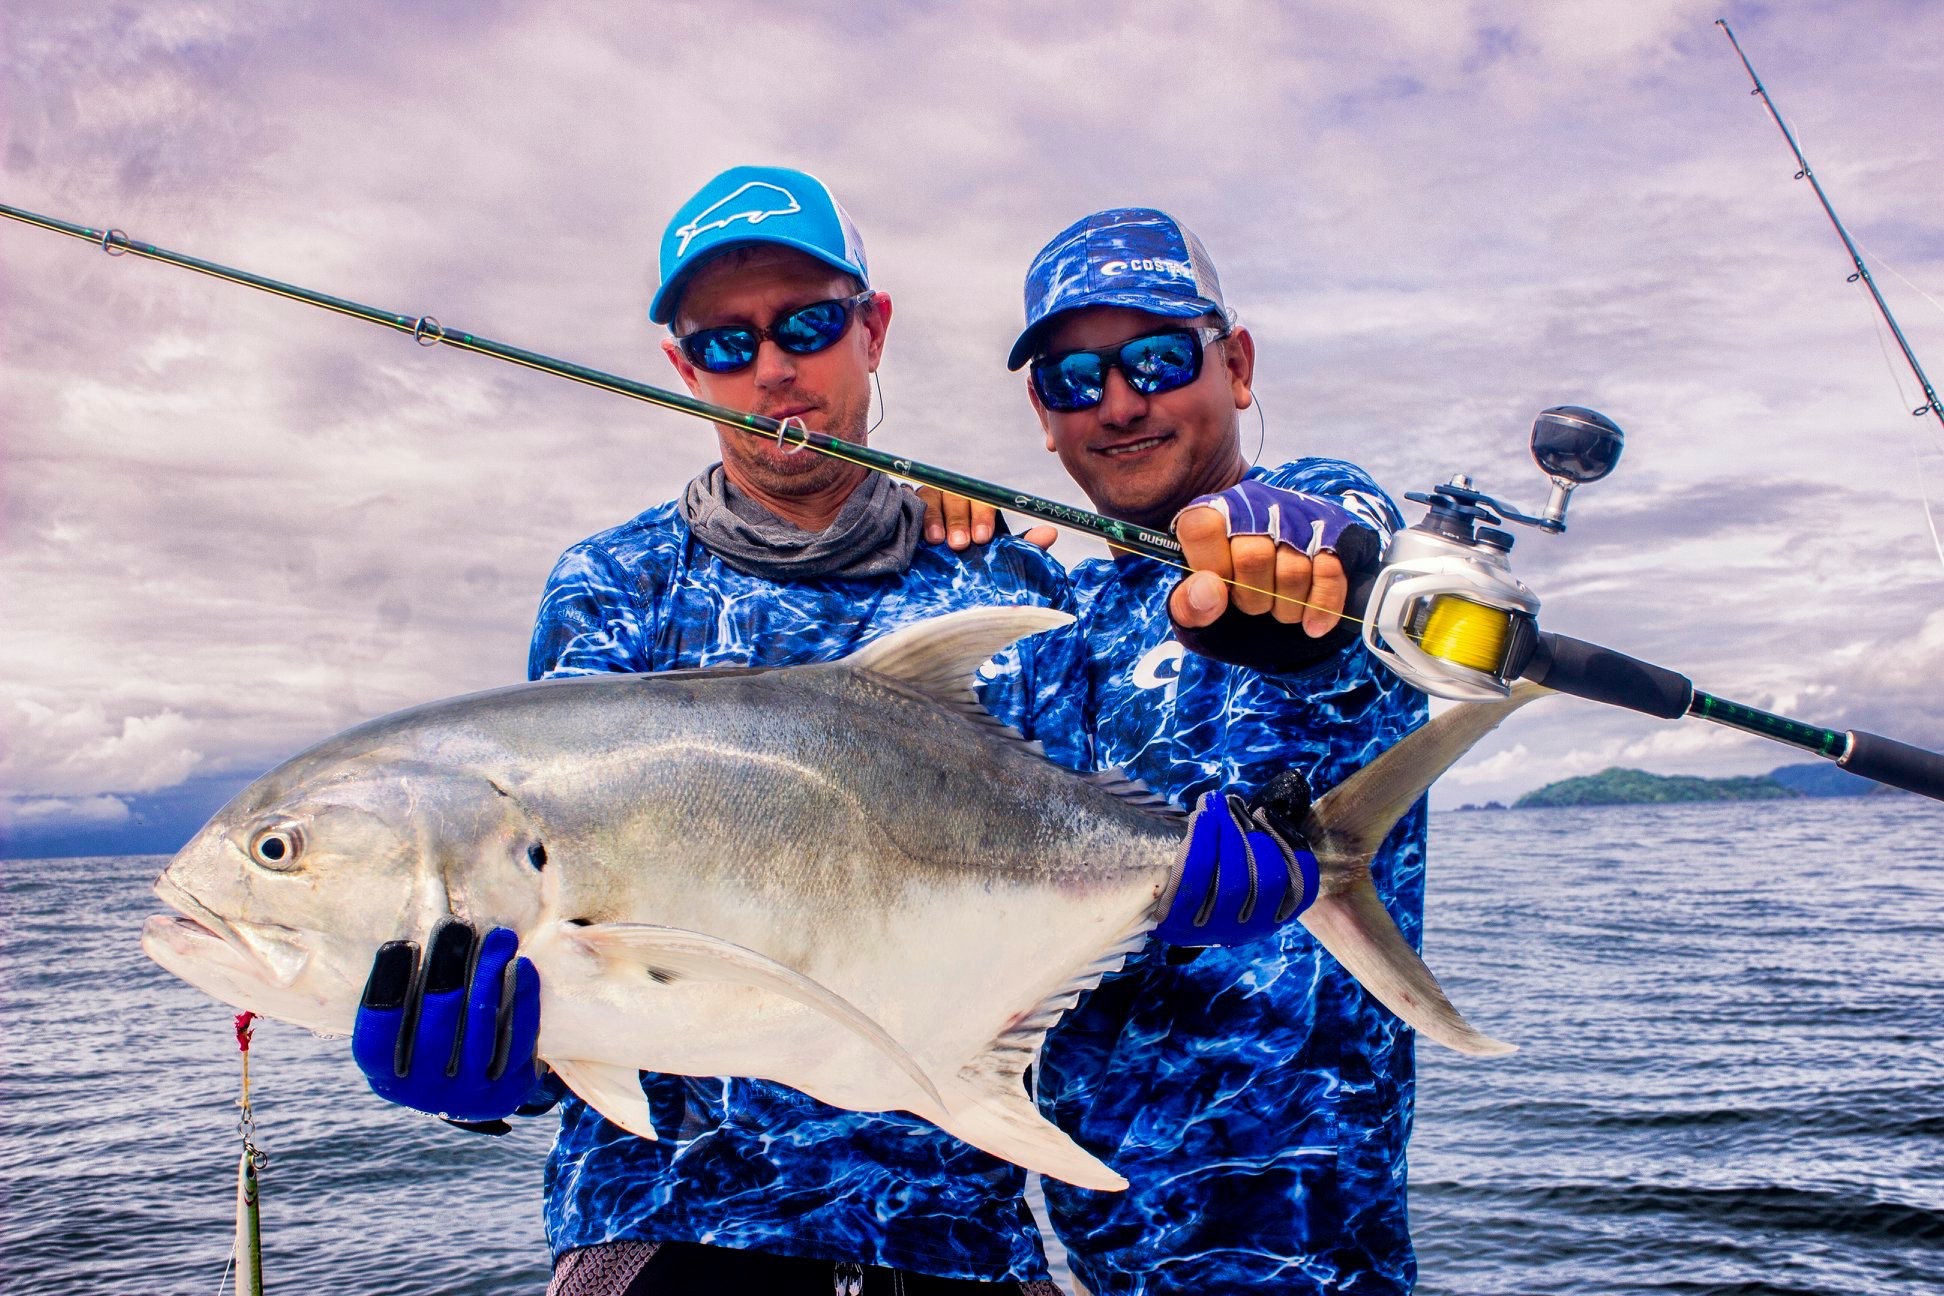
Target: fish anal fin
[(1020, 1042), (610, 1089), (987, 1104), (672, 953), (990, 1109), (1353, 925)]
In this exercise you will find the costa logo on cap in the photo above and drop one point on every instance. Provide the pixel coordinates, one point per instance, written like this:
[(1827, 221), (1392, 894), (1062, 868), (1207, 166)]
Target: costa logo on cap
[(1153, 265)]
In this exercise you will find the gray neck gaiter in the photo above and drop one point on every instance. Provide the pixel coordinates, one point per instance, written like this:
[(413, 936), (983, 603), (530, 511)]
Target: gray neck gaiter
[(874, 534)]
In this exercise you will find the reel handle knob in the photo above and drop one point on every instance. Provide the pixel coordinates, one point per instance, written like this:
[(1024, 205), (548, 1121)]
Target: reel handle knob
[(1576, 443)]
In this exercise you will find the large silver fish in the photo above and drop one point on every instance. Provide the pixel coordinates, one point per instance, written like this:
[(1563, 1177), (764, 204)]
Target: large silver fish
[(841, 877)]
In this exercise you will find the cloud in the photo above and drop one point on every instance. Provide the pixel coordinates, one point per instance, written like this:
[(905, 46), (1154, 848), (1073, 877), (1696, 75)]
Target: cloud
[(233, 525), (28, 812), (73, 753), (1666, 748), (1510, 763)]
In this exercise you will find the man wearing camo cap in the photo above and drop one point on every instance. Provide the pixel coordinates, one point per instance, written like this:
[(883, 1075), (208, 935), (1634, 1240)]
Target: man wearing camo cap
[(1256, 1098)]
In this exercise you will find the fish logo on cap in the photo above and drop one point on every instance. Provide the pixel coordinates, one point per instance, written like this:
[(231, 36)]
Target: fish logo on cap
[(764, 207), (755, 204)]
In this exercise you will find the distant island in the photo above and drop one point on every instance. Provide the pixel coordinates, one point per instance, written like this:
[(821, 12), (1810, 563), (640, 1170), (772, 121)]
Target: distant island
[(1618, 786)]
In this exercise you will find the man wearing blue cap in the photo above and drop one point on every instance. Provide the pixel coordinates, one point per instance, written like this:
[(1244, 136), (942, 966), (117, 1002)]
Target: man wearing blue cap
[(769, 558), (1254, 1096)]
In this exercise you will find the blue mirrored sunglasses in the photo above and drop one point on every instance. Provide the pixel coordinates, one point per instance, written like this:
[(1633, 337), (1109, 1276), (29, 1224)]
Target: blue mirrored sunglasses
[(803, 331), (1152, 364)]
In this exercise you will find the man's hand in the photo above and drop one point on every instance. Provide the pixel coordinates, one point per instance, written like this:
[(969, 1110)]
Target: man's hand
[(1289, 555), (1245, 875), (961, 523), (455, 1037)]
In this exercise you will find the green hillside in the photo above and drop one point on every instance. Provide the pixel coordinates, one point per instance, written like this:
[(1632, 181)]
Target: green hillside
[(1618, 786)]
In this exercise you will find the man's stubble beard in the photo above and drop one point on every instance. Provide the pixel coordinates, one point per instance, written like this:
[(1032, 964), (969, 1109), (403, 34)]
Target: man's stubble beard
[(806, 472)]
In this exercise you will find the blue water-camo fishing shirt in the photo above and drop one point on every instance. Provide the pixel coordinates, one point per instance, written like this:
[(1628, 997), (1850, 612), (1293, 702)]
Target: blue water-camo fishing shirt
[(1255, 1097), (747, 1163)]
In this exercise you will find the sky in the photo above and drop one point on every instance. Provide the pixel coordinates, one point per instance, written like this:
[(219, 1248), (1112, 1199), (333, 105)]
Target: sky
[(233, 525)]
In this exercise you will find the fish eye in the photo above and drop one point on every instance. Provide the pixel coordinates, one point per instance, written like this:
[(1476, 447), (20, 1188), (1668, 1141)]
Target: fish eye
[(277, 848)]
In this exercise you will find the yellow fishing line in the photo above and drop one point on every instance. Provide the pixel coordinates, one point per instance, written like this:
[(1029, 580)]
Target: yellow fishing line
[(1466, 633)]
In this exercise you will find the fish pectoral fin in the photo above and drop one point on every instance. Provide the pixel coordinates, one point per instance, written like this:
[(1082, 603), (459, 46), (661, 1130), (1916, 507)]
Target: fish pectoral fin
[(614, 1091), (1357, 930), (671, 953), (988, 1107)]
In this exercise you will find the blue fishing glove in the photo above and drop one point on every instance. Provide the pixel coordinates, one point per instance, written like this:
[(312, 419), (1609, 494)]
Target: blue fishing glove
[(1308, 524), (455, 1037), (1246, 874)]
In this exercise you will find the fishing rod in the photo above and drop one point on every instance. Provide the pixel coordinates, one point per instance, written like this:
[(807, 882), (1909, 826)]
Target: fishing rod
[(428, 332), (1861, 274), (1443, 612)]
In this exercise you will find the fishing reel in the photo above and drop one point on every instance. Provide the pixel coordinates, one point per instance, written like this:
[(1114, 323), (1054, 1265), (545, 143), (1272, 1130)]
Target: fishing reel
[(1446, 613)]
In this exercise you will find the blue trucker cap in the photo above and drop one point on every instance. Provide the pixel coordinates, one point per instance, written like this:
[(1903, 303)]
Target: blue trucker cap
[(1124, 256), (751, 204)]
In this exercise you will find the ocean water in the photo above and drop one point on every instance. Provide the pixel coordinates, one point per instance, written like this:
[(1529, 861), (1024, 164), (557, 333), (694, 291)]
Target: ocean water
[(1729, 1080)]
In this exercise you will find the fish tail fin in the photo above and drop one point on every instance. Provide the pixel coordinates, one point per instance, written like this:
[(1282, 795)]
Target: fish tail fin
[(1355, 816), (1345, 829), (1355, 928), (990, 1109)]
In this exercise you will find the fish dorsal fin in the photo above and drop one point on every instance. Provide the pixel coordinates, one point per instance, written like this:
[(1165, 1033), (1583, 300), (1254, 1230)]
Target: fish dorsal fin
[(940, 656), (1118, 782)]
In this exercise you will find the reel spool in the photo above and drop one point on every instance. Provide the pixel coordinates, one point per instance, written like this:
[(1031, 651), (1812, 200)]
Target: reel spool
[(1446, 612)]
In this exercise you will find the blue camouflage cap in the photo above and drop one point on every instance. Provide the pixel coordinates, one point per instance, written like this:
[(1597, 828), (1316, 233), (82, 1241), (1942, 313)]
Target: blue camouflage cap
[(1124, 256), (752, 204)]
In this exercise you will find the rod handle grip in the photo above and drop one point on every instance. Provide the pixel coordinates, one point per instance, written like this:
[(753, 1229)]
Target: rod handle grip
[(1599, 674), (1900, 765)]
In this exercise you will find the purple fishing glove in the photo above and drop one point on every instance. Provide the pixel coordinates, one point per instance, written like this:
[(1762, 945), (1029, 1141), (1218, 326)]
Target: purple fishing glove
[(1244, 876), (455, 1037), (1309, 524)]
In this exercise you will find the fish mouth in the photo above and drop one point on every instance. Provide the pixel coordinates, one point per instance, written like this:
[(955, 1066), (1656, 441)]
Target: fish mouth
[(272, 950), (192, 917), (195, 936), (253, 966)]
